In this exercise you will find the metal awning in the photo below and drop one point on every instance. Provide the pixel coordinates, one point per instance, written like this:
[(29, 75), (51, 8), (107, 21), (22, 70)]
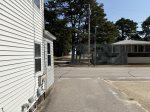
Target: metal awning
[(132, 42)]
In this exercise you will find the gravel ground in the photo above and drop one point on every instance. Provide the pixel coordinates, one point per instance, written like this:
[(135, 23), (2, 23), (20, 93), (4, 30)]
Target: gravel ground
[(135, 90)]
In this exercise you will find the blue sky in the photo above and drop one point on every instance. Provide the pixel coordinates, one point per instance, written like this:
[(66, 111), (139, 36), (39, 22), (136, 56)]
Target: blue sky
[(137, 10)]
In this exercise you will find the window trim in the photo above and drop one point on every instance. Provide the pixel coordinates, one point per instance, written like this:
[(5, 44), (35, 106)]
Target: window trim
[(36, 57)]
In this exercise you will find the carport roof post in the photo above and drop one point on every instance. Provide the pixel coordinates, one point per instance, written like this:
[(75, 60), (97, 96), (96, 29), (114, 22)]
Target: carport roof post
[(131, 42), (48, 35)]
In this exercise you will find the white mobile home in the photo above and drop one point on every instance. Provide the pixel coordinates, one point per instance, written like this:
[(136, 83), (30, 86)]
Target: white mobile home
[(133, 51), (26, 54)]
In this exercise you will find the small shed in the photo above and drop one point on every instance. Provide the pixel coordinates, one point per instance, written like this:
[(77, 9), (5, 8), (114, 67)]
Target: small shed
[(48, 58), (132, 51)]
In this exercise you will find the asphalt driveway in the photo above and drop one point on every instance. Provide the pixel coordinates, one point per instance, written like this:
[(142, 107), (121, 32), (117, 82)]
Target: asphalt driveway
[(85, 89)]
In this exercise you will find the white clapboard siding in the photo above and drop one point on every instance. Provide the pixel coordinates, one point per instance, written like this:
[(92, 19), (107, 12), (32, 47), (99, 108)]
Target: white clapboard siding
[(21, 24)]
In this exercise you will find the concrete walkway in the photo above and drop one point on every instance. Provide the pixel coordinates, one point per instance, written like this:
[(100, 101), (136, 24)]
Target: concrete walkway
[(83, 89)]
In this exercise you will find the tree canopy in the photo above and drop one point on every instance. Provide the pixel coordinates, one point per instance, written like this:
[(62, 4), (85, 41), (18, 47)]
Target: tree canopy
[(126, 27), (58, 27), (68, 21), (146, 28)]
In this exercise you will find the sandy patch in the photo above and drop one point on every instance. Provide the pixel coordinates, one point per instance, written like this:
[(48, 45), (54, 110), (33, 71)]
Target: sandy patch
[(136, 90)]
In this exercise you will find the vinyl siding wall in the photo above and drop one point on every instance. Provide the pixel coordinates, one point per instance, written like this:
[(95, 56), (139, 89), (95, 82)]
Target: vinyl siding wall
[(20, 26)]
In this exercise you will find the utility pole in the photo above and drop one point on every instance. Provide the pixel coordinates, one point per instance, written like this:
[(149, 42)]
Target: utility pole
[(89, 38), (95, 45)]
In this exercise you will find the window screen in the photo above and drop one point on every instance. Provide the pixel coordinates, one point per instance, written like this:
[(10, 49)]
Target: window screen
[(128, 48), (37, 65), (147, 48), (48, 48), (37, 3), (49, 54), (37, 50), (140, 48), (135, 48), (49, 60), (37, 57)]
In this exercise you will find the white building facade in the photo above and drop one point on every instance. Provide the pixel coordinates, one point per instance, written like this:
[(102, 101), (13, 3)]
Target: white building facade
[(132, 51), (26, 57)]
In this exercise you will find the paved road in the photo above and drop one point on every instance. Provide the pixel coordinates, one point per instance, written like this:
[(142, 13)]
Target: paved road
[(84, 89), (106, 72)]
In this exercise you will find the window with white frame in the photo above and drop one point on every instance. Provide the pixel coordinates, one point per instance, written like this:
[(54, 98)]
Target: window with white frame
[(49, 54), (37, 3), (37, 57)]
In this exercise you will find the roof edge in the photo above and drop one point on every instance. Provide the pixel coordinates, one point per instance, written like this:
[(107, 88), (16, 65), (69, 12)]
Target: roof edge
[(49, 35), (131, 42)]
